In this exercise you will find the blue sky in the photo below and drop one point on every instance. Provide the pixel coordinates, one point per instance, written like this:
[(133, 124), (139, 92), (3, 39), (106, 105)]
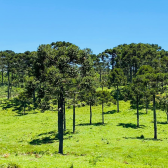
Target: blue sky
[(95, 24)]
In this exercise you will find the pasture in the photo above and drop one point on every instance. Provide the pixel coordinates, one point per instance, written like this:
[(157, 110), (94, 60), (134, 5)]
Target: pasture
[(30, 140)]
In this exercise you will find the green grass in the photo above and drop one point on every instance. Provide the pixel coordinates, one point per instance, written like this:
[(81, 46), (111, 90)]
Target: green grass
[(105, 88), (30, 141)]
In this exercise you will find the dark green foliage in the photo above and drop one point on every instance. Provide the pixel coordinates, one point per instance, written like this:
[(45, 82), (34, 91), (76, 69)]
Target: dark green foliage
[(135, 93), (116, 79), (103, 97)]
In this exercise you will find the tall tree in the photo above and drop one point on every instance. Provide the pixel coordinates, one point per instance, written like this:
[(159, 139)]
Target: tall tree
[(55, 64), (8, 55), (87, 84), (135, 91), (153, 80), (103, 97), (116, 79)]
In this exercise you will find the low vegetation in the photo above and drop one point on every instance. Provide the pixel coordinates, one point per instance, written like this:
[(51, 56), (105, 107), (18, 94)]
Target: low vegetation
[(31, 140)]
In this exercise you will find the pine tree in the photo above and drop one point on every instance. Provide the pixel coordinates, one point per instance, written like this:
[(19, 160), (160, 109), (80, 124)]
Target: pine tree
[(116, 79)]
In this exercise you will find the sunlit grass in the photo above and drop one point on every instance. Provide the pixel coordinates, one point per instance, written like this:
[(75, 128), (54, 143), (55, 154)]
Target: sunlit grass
[(105, 88), (31, 141)]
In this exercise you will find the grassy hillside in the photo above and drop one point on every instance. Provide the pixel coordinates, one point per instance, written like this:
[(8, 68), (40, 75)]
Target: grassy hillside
[(30, 141)]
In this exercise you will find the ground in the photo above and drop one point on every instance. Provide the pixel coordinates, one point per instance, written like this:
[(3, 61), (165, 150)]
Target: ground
[(30, 140)]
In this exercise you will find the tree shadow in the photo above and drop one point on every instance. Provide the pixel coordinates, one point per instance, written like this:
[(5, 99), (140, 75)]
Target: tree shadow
[(17, 106), (15, 103), (133, 106), (142, 138), (162, 122), (140, 113), (111, 112), (94, 124), (48, 137), (23, 114), (45, 140), (48, 133), (130, 125)]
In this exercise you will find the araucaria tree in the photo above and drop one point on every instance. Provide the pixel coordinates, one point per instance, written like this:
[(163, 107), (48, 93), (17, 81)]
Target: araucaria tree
[(152, 79), (87, 84), (116, 79), (103, 97), (135, 94), (58, 64)]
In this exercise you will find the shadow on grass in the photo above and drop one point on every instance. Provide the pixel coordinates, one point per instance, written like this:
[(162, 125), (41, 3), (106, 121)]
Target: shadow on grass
[(21, 113), (162, 122), (111, 112), (142, 138), (16, 105), (48, 137), (94, 124), (133, 106), (140, 113), (130, 125)]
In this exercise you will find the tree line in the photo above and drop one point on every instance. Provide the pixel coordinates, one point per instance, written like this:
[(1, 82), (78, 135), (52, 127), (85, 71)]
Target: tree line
[(60, 72)]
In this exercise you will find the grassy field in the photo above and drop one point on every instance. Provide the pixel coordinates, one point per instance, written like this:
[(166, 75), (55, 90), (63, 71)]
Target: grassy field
[(30, 141)]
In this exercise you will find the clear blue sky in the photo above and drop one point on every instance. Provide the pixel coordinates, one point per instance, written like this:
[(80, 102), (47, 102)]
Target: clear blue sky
[(96, 24)]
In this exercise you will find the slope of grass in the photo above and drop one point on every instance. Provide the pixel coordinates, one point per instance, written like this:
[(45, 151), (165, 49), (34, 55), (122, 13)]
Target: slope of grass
[(31, 140)]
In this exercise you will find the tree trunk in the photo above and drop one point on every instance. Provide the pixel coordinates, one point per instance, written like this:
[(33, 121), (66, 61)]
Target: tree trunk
[(146, 107), (24, 108), (133, 70), (102, 113), (60, 121), (8, 84), (162, 87), (74, 114), (131, 74), (100, 75), (167, 113), (2, 76), (34, 96), (58, 116), (64, 118), (137, 111), (117, 100), (12, 77), (136, 69), (112, 61), (154, 117), (10, 91), (127, 72), (90, 113)]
